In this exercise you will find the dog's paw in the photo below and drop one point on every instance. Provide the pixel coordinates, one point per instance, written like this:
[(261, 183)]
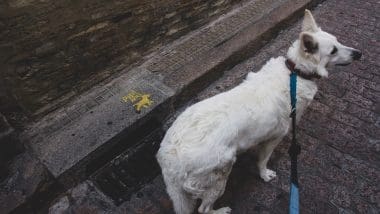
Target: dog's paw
[(267, 174), (224, 210)]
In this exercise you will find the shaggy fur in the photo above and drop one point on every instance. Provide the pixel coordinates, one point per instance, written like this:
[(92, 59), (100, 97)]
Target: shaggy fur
[(200, 148)]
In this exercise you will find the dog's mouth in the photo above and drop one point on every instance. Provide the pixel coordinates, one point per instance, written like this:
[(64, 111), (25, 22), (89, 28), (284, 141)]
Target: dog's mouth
[(343, 64)]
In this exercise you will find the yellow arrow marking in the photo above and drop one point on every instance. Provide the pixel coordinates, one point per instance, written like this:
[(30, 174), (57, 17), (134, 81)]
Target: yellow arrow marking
[(138, 100)]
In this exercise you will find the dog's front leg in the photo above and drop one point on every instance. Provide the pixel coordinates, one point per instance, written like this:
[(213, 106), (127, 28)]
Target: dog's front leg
[(264, 152)]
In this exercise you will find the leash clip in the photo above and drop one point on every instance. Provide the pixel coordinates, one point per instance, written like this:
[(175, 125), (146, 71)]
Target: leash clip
[(292, 112)]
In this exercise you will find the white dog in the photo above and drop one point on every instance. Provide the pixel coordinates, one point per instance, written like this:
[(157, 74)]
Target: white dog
[(200, 148)]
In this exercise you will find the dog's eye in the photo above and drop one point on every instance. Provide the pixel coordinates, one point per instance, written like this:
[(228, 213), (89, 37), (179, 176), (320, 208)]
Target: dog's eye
[(334, 50)]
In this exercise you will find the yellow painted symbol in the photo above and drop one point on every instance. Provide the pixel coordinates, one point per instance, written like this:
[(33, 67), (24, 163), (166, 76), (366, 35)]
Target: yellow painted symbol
[(138, 100)]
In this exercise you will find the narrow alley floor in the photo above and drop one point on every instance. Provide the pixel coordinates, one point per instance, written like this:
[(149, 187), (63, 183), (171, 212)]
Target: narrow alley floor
[(339, 166)]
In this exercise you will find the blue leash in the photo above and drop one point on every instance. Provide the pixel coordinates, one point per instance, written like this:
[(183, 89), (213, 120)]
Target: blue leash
[(295, 148)]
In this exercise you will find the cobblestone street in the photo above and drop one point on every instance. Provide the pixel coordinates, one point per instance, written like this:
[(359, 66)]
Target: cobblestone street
[(87, 91), (339, 164)]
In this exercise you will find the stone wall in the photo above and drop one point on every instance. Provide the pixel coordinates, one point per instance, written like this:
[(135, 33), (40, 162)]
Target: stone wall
[(51, 51)]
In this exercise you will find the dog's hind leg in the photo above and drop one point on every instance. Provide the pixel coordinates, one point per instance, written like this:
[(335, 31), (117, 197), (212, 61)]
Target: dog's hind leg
[(209, 198), (264, 153), (216, 190), (183, 203)]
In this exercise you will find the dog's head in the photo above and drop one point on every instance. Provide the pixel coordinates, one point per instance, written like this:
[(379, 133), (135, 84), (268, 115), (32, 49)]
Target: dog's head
[(322, 48)]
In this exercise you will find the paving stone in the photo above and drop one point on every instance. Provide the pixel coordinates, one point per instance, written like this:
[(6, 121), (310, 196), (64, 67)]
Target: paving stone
[(84, 198), (361, 206), (331, 101), (368, 191), (358, 99), (367, 149), (341, 197), (148, 200), (10, 146), (364, 114), (360, 168), (312, 204), (128, 172), (27, 177)]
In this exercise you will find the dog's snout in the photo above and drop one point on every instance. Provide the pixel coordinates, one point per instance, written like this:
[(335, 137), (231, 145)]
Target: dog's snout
[(356, 55)]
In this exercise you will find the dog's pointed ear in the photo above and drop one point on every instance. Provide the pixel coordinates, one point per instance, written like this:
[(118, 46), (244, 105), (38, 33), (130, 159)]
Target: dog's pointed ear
[(309, 24), (309, 44)]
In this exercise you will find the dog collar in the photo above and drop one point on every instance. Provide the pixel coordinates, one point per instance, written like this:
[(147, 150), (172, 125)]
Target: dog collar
[(308, 76)]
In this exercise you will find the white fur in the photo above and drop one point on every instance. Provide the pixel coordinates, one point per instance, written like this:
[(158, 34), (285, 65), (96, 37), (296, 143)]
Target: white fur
[(200, 148)]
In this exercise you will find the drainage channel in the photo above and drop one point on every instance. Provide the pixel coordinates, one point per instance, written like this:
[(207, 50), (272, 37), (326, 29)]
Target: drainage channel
[(131, 170)]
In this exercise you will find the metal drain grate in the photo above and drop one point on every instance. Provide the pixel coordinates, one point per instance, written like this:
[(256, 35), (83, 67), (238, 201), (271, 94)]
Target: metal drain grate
[(128, 172)]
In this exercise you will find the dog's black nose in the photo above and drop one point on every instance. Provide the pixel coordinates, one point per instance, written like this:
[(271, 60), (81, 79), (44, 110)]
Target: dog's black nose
[(356, 55)]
